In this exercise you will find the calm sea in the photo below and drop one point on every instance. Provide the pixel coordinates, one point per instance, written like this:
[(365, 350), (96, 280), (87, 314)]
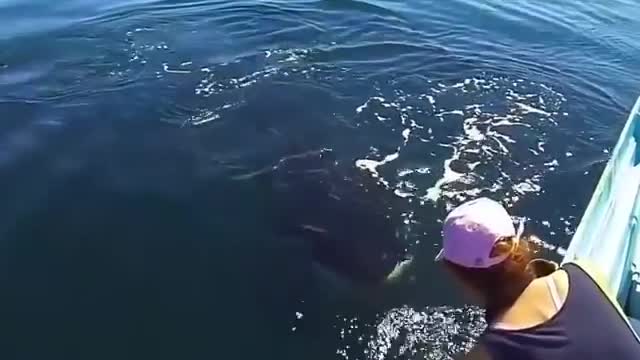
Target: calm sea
[(130, 227)]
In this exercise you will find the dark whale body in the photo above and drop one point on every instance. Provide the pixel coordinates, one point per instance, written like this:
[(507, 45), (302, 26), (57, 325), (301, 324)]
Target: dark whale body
[(344, 213)]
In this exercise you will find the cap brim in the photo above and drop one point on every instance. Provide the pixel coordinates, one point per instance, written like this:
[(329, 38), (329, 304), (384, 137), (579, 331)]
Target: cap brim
[(440, 255)]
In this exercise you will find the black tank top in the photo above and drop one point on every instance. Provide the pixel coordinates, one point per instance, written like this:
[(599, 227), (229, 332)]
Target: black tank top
[(587, 327)]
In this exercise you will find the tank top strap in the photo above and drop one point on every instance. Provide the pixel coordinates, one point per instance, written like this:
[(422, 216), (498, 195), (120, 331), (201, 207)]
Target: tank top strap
[(553, 291)]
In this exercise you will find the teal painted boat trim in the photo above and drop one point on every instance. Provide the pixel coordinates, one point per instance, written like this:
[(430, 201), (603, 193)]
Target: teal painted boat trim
[(608, 236)]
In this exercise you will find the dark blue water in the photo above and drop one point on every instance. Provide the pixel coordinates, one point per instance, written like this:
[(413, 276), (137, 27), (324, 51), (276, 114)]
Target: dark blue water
[(131, 226)]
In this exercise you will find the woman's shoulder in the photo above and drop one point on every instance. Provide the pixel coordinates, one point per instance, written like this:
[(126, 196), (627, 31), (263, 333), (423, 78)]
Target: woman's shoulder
[(539, 302)]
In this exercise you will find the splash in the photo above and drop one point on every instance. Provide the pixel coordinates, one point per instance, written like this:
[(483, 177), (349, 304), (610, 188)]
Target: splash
[(494, 129), (372, 165), (431, 333)]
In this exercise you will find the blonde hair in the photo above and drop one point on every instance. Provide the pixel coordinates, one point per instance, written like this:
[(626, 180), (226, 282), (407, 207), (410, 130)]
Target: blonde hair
[(500, 285)]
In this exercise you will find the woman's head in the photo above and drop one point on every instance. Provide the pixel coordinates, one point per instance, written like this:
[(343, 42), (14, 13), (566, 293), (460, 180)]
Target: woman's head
[(484, 251)]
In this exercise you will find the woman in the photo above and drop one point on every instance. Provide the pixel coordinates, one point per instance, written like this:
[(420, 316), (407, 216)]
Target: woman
[(533, 310)]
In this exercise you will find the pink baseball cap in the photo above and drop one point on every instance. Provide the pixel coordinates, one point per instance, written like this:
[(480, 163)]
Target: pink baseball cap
[(471, 230)]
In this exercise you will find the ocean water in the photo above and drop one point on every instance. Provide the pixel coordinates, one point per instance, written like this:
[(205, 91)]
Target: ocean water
[(131, 226)]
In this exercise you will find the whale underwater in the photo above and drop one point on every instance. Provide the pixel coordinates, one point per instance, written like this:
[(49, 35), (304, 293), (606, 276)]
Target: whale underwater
[(345, 216)]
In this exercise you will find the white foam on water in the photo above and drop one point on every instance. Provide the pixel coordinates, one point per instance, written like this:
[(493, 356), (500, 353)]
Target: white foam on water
[(530, 109), (405, 172), (502, 118), (380, 118), (166, 69), (415, 125), (437, 332), (379, 99), (473, 165), (508, 120), (501, 136), (477, 108), (540, 146), (501, 146), (471, 130), (372, 165), (548, 246), (203, 118), (405, 189), (405, 135), (431, 99), (434, 192), (526, 187), (402, 194), (281, 62), (450, 112)]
